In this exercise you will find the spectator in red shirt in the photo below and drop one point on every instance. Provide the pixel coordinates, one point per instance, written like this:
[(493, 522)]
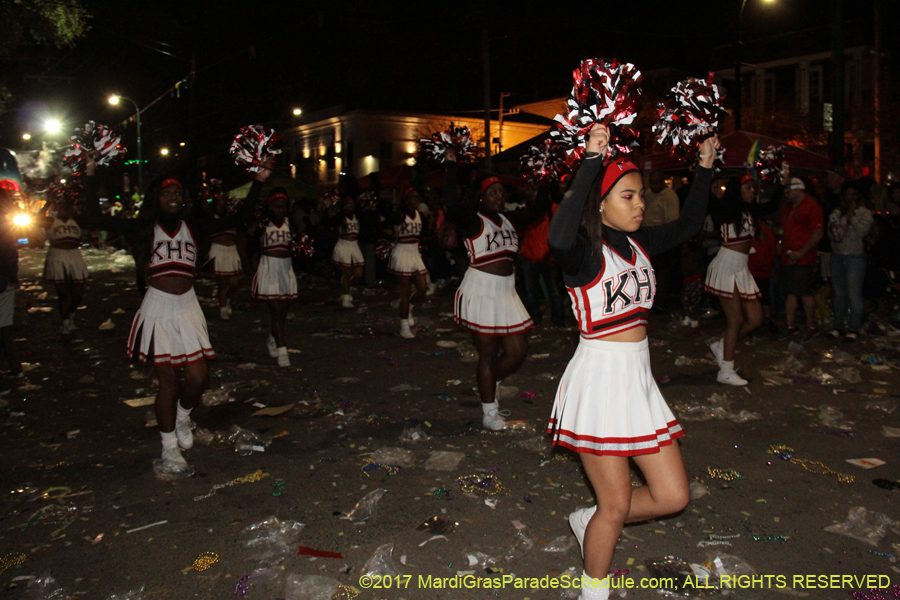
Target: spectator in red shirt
[(536, 264), (762, 263), (802, 222)]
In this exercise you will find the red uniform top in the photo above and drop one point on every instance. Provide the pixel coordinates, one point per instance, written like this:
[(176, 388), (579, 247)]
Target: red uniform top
[(799, 222)]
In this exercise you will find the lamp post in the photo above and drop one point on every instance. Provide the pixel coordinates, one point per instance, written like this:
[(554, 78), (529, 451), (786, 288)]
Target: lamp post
[(114, 99)]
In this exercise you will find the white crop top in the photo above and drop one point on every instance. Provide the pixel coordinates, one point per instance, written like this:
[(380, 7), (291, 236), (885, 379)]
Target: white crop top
[(174, 254), (729, 234), (619, 298), (349, 229), (495, 242), (275, 237), (409, 229), (63, 231)]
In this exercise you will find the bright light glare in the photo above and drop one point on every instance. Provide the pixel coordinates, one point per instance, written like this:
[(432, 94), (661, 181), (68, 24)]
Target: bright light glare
[(298, 112), (62, 180), (26, 136), (22, 220), (164, 151), (52, 126), (113, 99)]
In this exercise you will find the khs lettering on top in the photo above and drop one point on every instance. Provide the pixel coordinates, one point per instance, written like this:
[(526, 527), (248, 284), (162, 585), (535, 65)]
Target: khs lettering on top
[(410, 228), (630, 289), (179, 250), (67, 230), (501, 239), (277, 237)]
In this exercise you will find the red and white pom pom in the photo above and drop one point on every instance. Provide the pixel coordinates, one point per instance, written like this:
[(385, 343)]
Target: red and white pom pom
[(367, 200), (253, 146), (330, 198), (89, 138), (69, 192), (605, 92), (383, 249), (770, 163), (689, 114), (458, 139), (543, 163), (302, 246)]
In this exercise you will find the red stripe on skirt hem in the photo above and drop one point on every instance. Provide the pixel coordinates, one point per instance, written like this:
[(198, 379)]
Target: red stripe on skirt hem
[(507, 330)]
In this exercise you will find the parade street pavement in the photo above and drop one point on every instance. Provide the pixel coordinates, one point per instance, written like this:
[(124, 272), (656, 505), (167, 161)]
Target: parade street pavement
[(362, 411)]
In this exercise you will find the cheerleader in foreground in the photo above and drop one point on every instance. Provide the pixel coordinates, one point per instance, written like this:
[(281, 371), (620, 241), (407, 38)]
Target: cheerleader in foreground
[(608, 407), (486, 302), (347, 255), (169, 329), (406, 262), (225, 258), (64, 266), (275, 282)]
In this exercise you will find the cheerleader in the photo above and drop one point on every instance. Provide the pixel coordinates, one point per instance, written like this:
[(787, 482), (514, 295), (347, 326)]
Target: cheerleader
[(406, 262), (64, 266), (169, 329), (608, 407), (347, 255), (225, 258), (728, 276), (275, 282), (486, 302)]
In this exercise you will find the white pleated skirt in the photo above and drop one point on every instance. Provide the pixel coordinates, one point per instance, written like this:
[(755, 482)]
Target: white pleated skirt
[(406, 260), (729, 270), (63, 265), (347, 253), (226, 260), (489, 304), (274, 279), (169, 330), (609, 404)]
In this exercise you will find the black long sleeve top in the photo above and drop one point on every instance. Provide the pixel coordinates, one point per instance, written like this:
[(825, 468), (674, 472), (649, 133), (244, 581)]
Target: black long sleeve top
[(465, 213), (573, 250)]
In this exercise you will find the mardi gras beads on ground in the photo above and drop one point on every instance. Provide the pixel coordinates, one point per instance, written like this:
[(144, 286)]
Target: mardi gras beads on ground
[(813, 466), (205, 561), (726, 474), (489, 484)]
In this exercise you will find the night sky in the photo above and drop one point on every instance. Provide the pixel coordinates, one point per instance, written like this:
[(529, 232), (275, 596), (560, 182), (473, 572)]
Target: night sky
[(255, 61)]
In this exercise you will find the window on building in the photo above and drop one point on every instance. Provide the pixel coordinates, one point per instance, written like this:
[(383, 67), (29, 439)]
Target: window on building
[(868, 151)]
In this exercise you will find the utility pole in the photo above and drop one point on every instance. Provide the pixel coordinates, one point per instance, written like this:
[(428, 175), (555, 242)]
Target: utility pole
[(877, 69), (837, 85), (500, 123), (738, 52), (486, 61)]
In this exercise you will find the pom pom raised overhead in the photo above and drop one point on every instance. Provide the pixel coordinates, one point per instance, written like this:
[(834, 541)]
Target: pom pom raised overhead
[(253, 146), (458, 139), (607, 92), (93, 137), (689, 114), (543, 163), (770, 163)]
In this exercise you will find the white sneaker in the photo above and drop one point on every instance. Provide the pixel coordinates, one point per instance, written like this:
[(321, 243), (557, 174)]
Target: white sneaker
[(730, 378), (173, 455), (405, 331), (228, 307), (695, 323), (578, 521), (347, 301), (685, 321), (431, 288), (184, 434), (283, 360), (412, 322), (272, 347), (223, 313), (494, 420), (718, 351)]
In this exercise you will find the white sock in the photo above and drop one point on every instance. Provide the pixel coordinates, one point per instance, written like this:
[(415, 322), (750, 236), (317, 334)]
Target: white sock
[(169, 440), (182, 414), (489, 408), (728, 366), (282, 351), (589, 592)]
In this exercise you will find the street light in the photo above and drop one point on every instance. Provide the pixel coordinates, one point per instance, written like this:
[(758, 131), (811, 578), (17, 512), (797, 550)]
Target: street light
[(164, 151), (738, 51), (26, 136), (298, 112), (114, 99), (52, 126)]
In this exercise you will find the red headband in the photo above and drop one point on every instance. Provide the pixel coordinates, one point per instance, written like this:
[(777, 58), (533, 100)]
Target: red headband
[(170, 181), (408, 191), (272, 198), (488, 183), (746, 178), (614, 172)]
